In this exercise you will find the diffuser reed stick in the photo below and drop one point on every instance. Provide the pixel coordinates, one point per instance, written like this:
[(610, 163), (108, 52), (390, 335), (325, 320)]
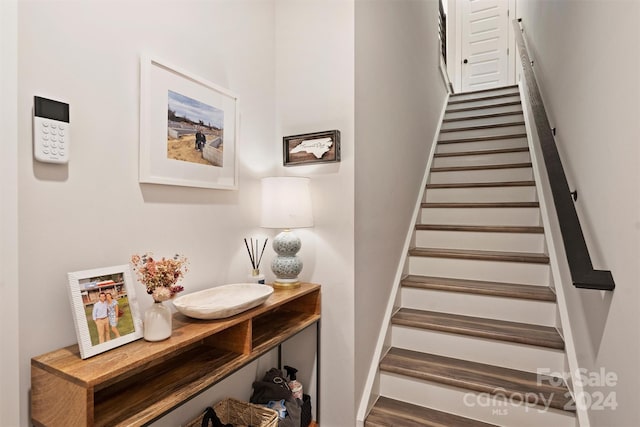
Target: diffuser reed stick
[(250, 257), (253, 253), (262, 253)]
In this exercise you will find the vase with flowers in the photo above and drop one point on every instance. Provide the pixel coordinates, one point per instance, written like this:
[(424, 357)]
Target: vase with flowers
[(160, 277)]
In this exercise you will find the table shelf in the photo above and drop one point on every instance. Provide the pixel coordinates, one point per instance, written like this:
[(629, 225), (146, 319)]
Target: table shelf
[(138, 383)]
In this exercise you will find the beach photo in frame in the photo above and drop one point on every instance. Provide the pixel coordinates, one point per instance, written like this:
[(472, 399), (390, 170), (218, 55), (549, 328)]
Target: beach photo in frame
[(317, 147), (188, 129), (105, 309)]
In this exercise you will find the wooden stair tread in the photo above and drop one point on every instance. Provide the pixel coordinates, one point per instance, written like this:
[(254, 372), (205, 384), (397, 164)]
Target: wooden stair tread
[(480, 377), (483, 98), (478, 255), (482, 228), (484, 184), (481, 152), (502, 330), (509, 290), (480, 205), (481, 127), (389, 412), (484, 107), (482, 138), (484, 116), (482, 167)]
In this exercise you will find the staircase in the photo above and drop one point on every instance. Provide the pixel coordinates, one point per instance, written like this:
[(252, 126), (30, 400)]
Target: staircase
[(476, 327)]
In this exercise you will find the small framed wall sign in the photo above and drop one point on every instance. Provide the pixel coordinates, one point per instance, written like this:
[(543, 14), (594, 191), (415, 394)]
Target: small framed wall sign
[(317, 147), (105, 309)]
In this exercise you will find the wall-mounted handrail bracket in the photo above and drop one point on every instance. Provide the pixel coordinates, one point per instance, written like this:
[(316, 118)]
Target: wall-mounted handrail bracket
[(583, 274)]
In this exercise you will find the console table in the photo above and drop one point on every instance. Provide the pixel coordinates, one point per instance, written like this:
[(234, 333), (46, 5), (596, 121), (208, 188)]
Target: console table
[(141, 381)]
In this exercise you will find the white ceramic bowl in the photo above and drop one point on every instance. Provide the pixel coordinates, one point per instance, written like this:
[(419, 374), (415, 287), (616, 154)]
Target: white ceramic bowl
[(222, 301)]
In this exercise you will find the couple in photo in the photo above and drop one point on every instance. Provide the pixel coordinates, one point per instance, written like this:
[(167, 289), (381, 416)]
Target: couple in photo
[(201, 139), (105, 316)]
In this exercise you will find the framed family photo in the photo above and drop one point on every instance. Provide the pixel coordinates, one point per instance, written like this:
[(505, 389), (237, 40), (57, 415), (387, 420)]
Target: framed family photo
[(317, 147), (188, 129), (105, 309)]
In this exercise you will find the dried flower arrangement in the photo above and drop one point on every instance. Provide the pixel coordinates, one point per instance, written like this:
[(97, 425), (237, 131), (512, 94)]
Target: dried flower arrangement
[(160, 276)]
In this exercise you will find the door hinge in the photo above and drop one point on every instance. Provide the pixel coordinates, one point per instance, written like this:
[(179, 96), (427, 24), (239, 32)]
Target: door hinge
[(507, 13), (507, 51)]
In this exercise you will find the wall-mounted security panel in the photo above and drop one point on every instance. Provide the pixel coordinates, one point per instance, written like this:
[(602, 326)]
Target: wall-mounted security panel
[(51, 130)]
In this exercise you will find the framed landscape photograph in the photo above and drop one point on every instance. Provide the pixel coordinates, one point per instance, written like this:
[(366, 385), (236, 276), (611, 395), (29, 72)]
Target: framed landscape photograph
[(188, 129), (318, 147), (105, 309)]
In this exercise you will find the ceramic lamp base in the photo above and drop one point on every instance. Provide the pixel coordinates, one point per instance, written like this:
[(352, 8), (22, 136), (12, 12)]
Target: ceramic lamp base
[(286, 285), (286, 265)]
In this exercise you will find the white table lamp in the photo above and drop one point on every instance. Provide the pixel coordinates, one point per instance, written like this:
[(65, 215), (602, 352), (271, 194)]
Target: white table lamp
[(286, 204)]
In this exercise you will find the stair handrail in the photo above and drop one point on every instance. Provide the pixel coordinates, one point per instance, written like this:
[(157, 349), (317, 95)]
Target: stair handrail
[(583, 274)]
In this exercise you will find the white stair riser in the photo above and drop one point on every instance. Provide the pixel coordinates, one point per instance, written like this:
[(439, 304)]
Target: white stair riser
[(479, 133), (484, 80), (471, 95), (488, 102), (482, 194), (492, 352), (481, 240), (482, 159), (485, 306), (496, 144), (481, 216), (484, 121), (498, 271), (482, 175), (480, 406), (478, 112)]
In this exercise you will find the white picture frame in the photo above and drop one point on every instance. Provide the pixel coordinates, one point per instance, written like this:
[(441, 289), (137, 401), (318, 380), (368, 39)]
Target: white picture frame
[(85, 289), (175, 105)]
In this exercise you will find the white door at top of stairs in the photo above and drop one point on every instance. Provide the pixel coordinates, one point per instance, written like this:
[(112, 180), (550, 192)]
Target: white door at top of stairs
[(485, 44)]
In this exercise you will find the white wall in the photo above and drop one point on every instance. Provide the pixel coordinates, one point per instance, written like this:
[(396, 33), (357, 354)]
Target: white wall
[(93, 212), (399, 98), (9, 354), (587, 65), (290, 62), (453, 44), (315, 86)]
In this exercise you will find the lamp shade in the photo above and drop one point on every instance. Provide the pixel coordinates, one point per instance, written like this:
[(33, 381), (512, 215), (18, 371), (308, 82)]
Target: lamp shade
[(286, 202)]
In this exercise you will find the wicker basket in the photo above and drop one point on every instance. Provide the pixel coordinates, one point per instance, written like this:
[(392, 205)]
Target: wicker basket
[(241, 414)]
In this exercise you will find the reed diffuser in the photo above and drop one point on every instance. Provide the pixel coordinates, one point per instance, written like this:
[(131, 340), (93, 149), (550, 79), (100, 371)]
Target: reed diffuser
[(253, 251)]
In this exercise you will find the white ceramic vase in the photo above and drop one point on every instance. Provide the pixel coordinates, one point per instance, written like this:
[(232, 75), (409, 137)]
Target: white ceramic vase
[(157, 322)]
